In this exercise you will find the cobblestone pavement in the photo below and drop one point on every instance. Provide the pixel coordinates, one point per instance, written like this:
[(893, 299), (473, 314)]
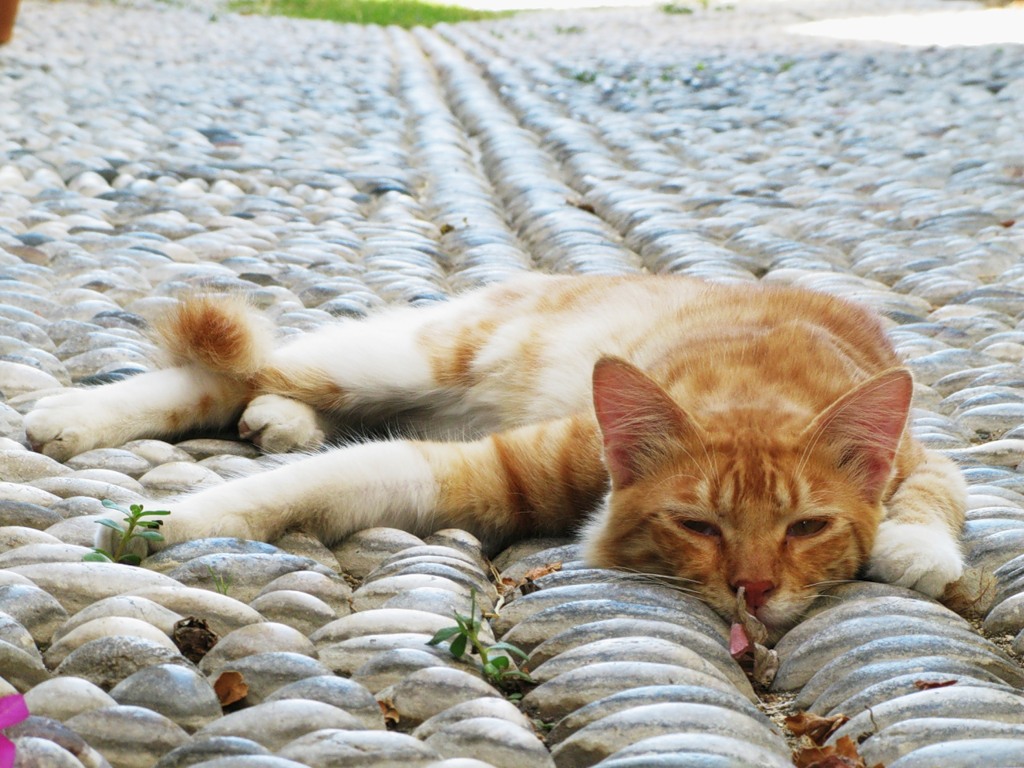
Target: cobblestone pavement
[(147, 151)]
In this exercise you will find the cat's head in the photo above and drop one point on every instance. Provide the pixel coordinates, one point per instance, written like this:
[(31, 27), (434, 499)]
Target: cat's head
[(757, 497)]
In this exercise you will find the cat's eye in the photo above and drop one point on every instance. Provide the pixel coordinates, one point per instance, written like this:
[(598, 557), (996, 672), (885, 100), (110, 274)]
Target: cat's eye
[(808, 527), (701, 527)]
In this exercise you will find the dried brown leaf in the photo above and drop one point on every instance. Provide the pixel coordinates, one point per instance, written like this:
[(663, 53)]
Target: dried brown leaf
[(842, 754), (194, 638), (927, 685), (230, 687), (387, 708), (816, 728)]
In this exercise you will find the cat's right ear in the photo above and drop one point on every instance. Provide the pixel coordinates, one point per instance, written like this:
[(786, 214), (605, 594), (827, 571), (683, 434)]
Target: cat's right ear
[(639, 422)]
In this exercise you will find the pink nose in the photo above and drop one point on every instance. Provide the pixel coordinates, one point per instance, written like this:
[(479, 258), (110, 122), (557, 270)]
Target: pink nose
[(756, 593)]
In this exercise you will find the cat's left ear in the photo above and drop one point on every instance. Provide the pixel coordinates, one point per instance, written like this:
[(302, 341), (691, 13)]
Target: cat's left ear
[(639, 422), (864, 428)]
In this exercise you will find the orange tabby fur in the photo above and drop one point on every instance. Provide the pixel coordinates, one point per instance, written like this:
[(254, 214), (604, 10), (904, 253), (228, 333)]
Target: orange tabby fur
[(751, 436)]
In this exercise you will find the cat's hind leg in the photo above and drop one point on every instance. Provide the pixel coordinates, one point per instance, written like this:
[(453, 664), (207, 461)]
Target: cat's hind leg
[(278, 424), (154, 404)]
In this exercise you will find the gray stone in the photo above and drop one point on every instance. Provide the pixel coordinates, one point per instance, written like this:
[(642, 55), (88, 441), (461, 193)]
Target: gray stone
[(966, 753), (903, 738), (332, 748), (127, 606), (738, 751), (64, 697), (568, 692), (427, 692), (337, 691), (265, 672), (484, 708), (77, 585), (242, 575), (107, 626), (364, 550), (655, 694), (275, 723), (132, 737), (497, 741), (176, 692), (35, 609), (332, 590), (264, 637), (601, 738), (107, 661), (198, 752), (224, 614)]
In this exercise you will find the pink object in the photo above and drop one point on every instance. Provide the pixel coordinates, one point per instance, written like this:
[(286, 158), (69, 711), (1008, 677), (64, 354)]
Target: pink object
[(757, 593), (739, 644), (12, 711)]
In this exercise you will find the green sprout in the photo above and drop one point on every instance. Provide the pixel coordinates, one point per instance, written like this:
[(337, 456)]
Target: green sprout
[(134, 527), (221, 582), (498, 670)]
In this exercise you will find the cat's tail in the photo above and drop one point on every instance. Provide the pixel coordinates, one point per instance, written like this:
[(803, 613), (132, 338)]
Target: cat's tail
[(223, 334)]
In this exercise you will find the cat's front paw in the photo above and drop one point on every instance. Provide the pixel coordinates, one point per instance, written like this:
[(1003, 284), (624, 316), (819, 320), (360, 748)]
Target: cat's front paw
[(921, 557), (280, 425), (65, 425)]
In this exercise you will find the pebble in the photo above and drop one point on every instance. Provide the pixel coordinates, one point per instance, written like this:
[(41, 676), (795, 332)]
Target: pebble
[(275, 723), (260, 637), (338, 692), (64, 697), (372, 749), (427, 692), (133, 737)]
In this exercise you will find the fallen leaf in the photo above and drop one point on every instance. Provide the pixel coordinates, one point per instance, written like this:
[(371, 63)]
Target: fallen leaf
[(230, 687), (843, 754), (815, 727), (543, 570), (387, 708), (927, 685), (194, 638)]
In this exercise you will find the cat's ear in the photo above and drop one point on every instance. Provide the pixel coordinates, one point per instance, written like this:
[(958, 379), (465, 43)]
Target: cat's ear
[(639, 422), (864, 427)]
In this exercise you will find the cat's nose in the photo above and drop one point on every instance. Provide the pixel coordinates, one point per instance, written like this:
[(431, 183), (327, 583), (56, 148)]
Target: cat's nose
[(756, 593)]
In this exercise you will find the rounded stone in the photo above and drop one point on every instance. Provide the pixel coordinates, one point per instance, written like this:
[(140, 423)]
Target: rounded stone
[(49, 731), (337, 691), (107, 661), (374, 594), (384, 621), (264, 673), (655, 694), (224, 614), (902, 738), (497, 741), (64, 697), (598, 740), (571, 690), (331, 589), (204, 750), (77, 585), (364, 550), (243, 575), (176, 692), (737, 751), (489, 708), (331, 748), (276, 723), (33, 608), (108, 626), (298, 610), (129, 737), (966, 753), (125, 606), (390, 667), (264, 637), (427, 692)]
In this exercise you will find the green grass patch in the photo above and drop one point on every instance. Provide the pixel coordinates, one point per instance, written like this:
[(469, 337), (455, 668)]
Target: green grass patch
[(403, 13)]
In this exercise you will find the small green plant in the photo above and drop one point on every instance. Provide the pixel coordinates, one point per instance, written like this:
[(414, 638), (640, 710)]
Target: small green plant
[(465, 636), (585, 76), (134, 527), (222, 583), (676, 8)]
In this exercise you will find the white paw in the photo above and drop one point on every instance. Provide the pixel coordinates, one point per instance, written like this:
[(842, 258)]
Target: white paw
[(921, 557), (188, 522), (62, 426), (279, 424)]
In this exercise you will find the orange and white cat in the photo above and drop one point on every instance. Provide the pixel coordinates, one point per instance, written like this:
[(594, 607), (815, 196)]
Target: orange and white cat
[(721, 436)]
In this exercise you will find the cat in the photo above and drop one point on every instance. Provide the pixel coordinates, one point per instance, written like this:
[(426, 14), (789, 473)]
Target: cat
[(719, 436)]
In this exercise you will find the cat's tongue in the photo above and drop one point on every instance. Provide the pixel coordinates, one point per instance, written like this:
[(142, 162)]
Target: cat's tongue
[(740, 644)]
